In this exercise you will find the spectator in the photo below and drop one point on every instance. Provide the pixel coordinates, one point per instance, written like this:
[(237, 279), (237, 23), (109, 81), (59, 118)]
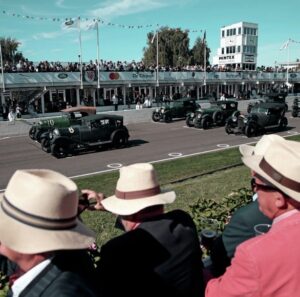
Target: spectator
[(223, 98), (11, 116), (241, 225), (115, 101), (40, 232), (159, 254), (267, 265)]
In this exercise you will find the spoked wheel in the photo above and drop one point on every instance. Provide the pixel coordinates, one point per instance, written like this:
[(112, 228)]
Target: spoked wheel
[(120, 140), (228, 129), (189, 122), (59, 150), (32, 133), (45, 144), (205, 123), (283, 123), (250, 130), (155, 117)]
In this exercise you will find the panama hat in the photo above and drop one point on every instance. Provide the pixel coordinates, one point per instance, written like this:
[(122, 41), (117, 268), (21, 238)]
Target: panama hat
[(280, 166), (38, 213), (137, 188), (261, 146)]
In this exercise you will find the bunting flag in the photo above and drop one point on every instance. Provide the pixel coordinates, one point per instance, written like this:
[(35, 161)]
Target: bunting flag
[(71, 24), (153, 38), (285, 45), (90, 25), (91, 20)]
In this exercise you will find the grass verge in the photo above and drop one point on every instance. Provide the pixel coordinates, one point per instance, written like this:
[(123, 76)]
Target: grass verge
[(212, 175)]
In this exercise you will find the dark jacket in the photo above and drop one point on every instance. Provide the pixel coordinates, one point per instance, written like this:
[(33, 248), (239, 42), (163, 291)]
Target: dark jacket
[(70, 273), (162, 257)]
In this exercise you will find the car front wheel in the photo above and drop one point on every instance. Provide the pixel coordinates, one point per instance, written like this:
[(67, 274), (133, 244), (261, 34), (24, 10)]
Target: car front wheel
[(250, 130), (205, 123), (228, 129), (32, 133), (59, 150), (155, 117), (45, 144), (189, 121)]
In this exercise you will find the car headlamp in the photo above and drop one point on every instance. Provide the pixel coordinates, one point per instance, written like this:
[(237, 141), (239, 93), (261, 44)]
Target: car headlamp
[(234, 119), (199, 115), (245, 120), (192, 114), (162, 111), (56, 132)]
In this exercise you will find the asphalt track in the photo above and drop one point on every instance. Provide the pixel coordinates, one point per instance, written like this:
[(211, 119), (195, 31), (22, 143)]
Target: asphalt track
[(149, 142)]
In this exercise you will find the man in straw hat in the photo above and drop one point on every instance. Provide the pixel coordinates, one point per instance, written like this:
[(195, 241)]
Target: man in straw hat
[(267, 265), (40, 232), (243, 220), (159, 254)]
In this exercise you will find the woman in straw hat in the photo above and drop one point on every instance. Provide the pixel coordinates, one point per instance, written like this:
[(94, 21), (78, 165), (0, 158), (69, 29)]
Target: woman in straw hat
[(159, 254), (40, 232), (268, 264)]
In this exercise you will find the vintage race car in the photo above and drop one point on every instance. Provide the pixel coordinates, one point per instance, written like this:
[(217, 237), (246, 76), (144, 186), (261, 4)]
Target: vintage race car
[(270, 98), (174, 109), (69, 116), (262, 116), (216, 114), (93, 132)]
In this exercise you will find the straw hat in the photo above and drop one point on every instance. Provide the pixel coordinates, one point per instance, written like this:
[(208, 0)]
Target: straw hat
[(261, 146), (280, 166), (137, 188), (38, 213)]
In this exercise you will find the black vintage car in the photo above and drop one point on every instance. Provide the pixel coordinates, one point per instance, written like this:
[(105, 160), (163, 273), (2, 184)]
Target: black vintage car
[(263, 115), (270, 98), (296, 107), (174, 109), (216, 114), (93, 132)]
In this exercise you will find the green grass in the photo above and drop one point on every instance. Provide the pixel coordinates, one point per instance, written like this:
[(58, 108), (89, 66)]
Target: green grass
[(191, 178)]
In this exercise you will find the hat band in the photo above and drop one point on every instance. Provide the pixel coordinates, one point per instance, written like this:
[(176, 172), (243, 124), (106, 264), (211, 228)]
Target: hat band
[(277, 176), (34, 220), (137, 194)]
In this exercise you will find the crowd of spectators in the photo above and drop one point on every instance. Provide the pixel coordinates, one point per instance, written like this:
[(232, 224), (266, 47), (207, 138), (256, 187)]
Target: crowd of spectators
[(25, 65)]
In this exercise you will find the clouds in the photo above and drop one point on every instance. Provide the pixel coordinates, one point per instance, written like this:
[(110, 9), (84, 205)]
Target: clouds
[(113, 9)]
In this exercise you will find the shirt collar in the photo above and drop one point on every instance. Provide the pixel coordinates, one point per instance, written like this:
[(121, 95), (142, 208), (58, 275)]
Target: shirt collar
[(285, 215), (22, 282)]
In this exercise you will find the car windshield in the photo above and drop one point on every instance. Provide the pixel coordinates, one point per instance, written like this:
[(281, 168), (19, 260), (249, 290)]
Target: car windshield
[(259, 110)]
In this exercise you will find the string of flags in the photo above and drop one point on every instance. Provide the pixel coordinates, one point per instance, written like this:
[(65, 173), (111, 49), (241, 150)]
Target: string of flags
[(86, 20), (287, 43)]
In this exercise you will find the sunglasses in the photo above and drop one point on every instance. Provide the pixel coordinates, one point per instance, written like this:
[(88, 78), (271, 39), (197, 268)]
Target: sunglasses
[(255, 186)]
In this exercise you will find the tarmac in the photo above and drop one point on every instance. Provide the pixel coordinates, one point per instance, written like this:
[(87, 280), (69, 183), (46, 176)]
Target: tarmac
[(21, 126)]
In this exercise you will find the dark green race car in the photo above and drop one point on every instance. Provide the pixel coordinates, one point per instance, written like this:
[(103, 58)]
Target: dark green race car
[(216, 114), (174, 109), (93, 132)]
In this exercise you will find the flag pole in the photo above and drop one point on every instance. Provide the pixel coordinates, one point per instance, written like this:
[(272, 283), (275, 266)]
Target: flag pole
[(288, 63), (157, 79), (98, 56), (2, 70), (80, 45), (204, 62)]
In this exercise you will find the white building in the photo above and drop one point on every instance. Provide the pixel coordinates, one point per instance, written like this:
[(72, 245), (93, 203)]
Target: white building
[(238, 46)]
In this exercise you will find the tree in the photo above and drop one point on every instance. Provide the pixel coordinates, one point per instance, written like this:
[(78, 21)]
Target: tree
[(197, 52), (173, 49), (9, 50)]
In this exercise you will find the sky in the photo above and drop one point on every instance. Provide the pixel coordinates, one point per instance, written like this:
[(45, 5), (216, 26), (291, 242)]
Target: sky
[(37, 25)]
